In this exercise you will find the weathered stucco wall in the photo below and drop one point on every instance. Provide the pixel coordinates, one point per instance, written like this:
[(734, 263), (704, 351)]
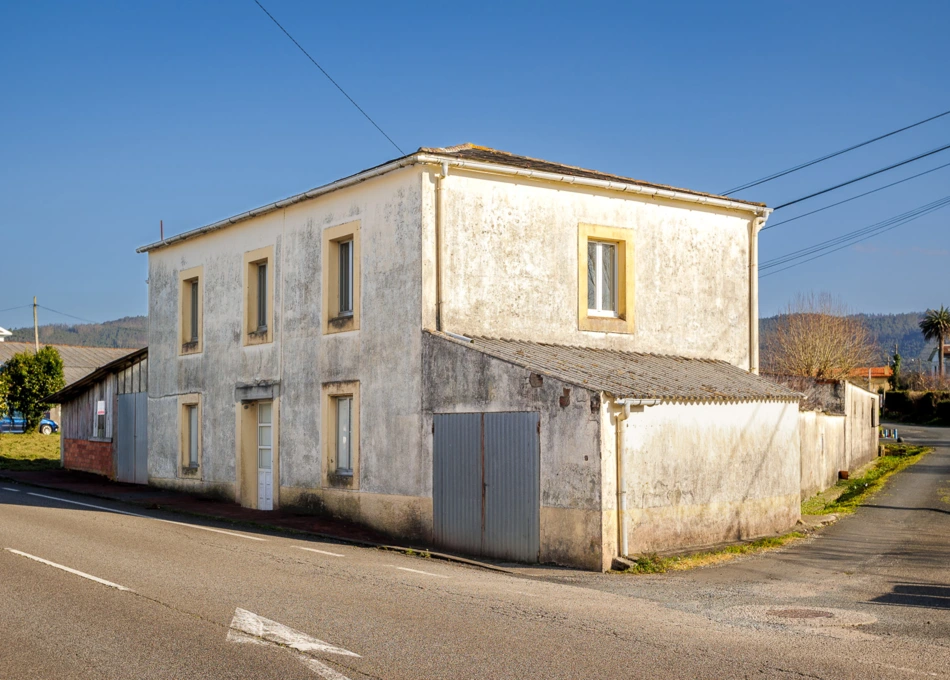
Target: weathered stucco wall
[(823, 450), (701, 474), (862, 409), (834, 442), (510, 266), (461, 380), (383, 355)]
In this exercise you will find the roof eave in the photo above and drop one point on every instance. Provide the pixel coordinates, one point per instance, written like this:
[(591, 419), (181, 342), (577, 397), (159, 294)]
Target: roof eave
[(67, 392), (433, 158)]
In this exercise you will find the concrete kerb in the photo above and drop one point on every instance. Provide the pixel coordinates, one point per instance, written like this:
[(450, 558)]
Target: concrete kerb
[(406, 550)]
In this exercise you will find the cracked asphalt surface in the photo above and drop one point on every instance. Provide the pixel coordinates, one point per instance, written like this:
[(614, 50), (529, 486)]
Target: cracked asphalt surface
[(868, 598)]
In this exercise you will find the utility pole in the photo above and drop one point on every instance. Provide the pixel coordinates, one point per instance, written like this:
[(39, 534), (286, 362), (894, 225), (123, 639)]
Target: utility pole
[(36, 328)]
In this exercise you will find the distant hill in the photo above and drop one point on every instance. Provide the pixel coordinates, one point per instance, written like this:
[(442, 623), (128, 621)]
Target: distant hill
[(887, 330), (128, 332), (132, 332)]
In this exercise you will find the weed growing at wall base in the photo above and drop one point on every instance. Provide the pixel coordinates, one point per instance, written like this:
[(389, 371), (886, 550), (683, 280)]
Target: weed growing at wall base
[(855, 492), (655, 564)]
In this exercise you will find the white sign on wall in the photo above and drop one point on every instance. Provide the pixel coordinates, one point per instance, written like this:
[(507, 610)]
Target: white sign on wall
[(100, 408)]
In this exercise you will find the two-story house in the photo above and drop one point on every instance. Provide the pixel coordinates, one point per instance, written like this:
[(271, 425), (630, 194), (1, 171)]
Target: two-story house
[(501, 355)]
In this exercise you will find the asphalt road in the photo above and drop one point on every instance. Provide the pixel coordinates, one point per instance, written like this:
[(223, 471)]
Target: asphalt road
[(869, 598)]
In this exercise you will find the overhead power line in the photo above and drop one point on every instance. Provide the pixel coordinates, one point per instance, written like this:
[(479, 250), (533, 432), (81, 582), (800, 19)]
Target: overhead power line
[(323, 71), (870, 174), (89, 321), (848, 200), (10, 309), (782, 173), (71, 316), (846, 240), (851, 234)]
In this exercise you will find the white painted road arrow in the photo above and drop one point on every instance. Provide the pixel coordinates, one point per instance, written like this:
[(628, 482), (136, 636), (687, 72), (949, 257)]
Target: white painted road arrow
[(247, 627)]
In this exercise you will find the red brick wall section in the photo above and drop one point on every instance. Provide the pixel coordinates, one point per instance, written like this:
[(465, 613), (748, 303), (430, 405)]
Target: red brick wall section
[(82, 454)]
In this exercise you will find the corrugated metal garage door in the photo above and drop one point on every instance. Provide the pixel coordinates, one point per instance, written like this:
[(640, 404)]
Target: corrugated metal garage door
[(132, 438), (486, 484)]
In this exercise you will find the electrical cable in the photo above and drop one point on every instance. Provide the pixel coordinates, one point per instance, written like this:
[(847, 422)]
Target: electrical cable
[(841, 247), (807, 164), (10, 309), (336, 84), (870, 174), (795, 254), (847, 200), (97, 323)]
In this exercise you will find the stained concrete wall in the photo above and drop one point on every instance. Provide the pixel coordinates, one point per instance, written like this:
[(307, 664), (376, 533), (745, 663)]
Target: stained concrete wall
[(823, 451), (384, 354), (458, 379), (833, 442), (510, 266), (702, 474), (862, 433)]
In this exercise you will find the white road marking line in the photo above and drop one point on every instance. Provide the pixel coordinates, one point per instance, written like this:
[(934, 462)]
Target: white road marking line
[(320, 668), (71, 571), (322, 552), (156, 519), (279, 634), (416, 571), (247, 627), (7, 488)]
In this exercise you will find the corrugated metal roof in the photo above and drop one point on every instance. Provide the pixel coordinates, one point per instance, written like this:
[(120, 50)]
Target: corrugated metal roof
[(78, 362), (79, 386), (632, 374)]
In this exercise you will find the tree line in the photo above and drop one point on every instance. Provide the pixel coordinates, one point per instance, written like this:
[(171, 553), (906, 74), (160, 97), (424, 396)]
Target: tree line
[(817, 337)]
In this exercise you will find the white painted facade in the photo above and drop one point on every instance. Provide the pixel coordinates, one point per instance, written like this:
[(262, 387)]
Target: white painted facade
[(510, 266), (507, 258)]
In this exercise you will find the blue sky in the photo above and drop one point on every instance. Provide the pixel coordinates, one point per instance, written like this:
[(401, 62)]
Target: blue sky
[(115, 115)]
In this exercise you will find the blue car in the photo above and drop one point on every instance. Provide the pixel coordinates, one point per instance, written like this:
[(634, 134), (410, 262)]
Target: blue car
[(15, 424)]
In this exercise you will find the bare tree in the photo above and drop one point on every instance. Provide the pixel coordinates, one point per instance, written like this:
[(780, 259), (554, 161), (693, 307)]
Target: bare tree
[(815, 337)]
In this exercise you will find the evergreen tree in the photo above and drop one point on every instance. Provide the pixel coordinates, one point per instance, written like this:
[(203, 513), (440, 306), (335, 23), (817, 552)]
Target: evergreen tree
[(27, 379)]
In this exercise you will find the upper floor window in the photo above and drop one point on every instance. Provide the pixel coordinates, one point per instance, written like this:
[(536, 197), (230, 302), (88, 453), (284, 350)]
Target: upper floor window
[(259, 296), (191, 310), (605, 279), (262, 297), (341, 278), (601, 278), (345, 292)]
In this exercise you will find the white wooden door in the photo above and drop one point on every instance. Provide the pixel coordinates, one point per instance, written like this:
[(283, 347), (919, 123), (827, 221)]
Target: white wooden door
[(265, 457)]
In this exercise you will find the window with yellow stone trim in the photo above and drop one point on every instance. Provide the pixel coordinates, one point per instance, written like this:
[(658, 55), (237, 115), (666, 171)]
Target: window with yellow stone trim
[(605, 277)]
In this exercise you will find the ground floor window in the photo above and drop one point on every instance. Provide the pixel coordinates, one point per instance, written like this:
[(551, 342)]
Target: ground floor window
[(191, 411), (344, 434), (189, 426), (340, 435)]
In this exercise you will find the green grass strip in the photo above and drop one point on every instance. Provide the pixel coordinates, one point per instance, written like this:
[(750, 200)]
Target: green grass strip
[(29, 451), (655, 564), (857, 491)]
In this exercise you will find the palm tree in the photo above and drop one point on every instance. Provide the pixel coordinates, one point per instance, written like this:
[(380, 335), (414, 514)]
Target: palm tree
[(936, 326)]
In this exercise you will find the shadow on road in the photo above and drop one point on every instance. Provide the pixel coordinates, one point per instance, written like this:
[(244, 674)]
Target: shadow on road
[(895, 507), (924, 595)]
